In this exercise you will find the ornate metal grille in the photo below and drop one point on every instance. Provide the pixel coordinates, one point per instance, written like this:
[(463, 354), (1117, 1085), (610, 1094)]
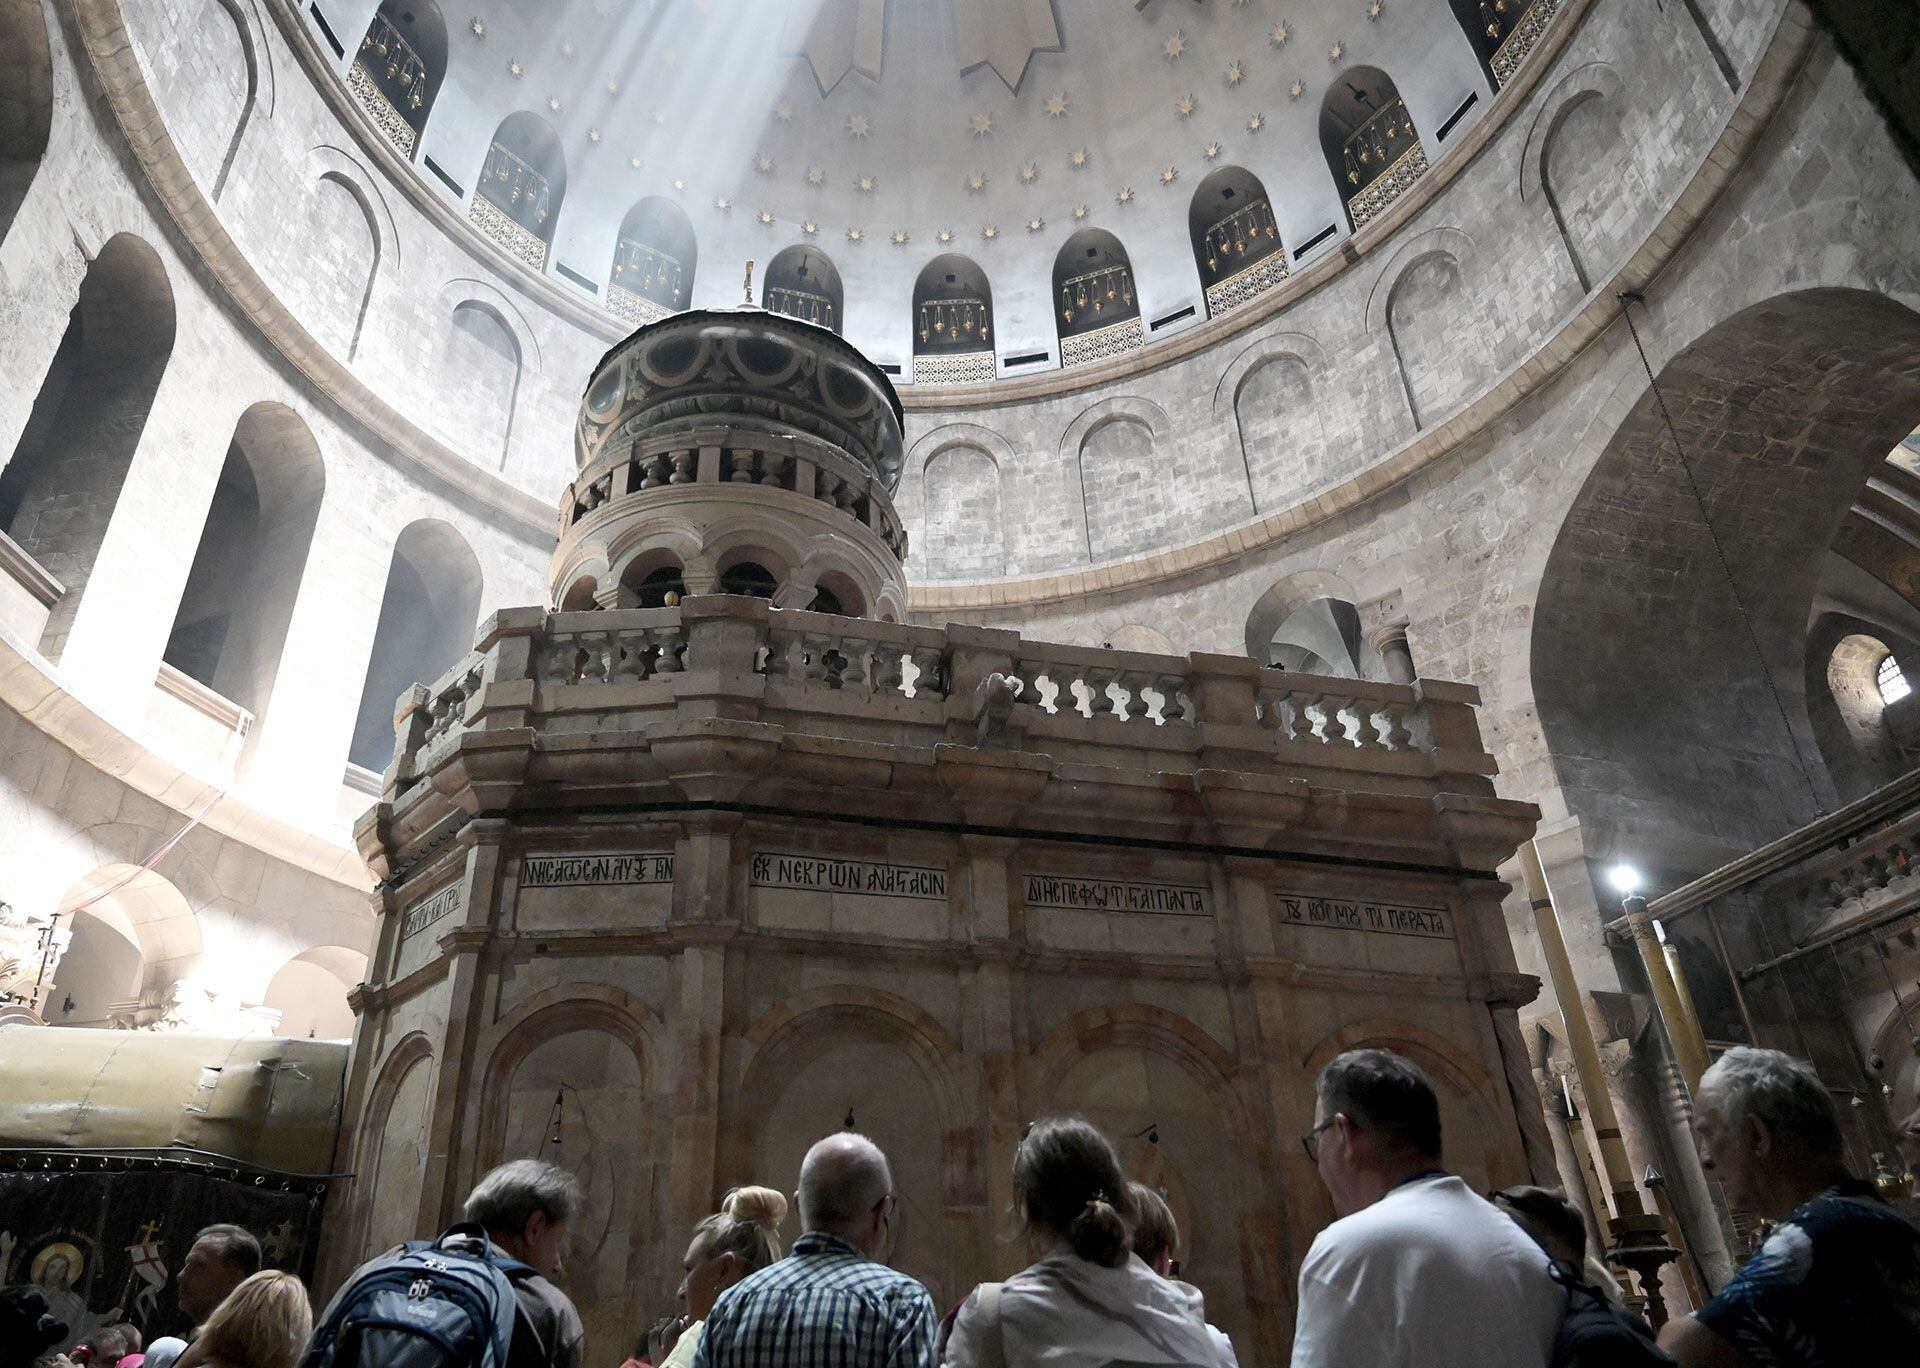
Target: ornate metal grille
[(803, 304), (1095, 298)]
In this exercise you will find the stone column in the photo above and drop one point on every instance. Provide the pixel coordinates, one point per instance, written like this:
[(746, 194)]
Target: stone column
[(703, 872), (1385, 624), (991, 1041)]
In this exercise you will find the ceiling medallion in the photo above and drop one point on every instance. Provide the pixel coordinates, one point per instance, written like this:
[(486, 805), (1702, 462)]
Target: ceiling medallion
[(816, 176), (553, 103), (1056, 106), (976, 182), (858, 126), (593, 135), (763, 163), (1235, 73), (1079, 211), (1256, 123), (766, 218), (1297, 89), (1170, 175), (784, 111), (1213, 151), (809, 228), (944, 235), (1034, 225), (478, 25), (1185, 105), (1336, 52), (856, 235), (1125, 196), (866, 185), (1375, 8), (1280, 35), (1175, 45), (990, 232), (899, 237), (722, 203), (515, 70), (1029, 172), (1080, 159), (982, 125)]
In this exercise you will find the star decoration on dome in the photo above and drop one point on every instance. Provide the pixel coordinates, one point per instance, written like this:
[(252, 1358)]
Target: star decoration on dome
[(1175, 45), (1080, 159), (1079, 211), (976, 182), (1170, 175), (515, 70), (766, 218), (1336, 52), (858, 126), (722, 203), (1029, 172), (1256, 122), (899, 237), (1056, 106), (816, 176), (856, 235), (1034, 225), (1185, 105), (944, 235), (478, 25), (1278, 37), (990, 232), (1297, 89), (634, 162), (763, 163), (593, 135), (659, 118), (981, 124), (866, 185), (1212, 151), (1125, 196), (1235, 73), (809, 228), (566, 51), (1375, 8), (679, 184), (784, 111), (613, 86), (553, 103)]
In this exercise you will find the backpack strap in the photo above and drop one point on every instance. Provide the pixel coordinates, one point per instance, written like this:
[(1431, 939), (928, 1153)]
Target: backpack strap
[(993, 1334)]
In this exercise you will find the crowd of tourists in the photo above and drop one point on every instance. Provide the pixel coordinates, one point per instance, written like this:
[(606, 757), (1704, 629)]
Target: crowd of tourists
[(1418, 1271)]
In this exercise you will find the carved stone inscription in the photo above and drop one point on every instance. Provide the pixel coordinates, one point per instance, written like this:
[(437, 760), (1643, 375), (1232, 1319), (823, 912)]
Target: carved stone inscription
[(824, 874), (1104, 895), (424, 914), (597, 869), (1348, 914)]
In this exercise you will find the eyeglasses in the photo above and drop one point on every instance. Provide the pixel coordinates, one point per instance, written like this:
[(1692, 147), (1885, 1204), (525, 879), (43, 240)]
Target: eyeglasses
[(1310, 1142)]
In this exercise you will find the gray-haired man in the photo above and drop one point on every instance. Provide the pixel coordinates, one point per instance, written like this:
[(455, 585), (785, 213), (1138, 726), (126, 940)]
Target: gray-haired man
[(526, 1207), (1838, 1280)]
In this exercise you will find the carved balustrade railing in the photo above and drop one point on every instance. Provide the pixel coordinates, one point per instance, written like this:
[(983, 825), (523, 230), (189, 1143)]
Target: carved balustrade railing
[(1388, 186), (1247, 284), (1522, 40), (1116, 339)]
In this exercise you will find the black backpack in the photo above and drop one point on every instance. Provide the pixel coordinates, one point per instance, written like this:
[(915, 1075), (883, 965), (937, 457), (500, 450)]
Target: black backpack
[(423, 1306), (1594, 1333)]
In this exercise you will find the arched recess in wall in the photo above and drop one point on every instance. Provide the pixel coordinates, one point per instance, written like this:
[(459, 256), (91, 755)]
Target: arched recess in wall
[(310, 992), (1284, 450), (1578, 161), (428, 613), (1096, 309), (962, 530), (59, 490), (225, 87), (481, 366), (653, 262), (952, 323), (1309, 622), (1115, 446), (1370, 143), (343, 218), (1133, 636), (397, 72), (1421, 301), (392, 1152), (1847, 705), (801, 282), (1236, 240), (133, 936), (231, 626), (26, 112), (522, 185), (1501, 33), (1639, 652), (874, 1058)]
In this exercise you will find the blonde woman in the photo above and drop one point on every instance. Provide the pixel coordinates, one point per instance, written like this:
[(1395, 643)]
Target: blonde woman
[(742, 1237), (265, 1322)]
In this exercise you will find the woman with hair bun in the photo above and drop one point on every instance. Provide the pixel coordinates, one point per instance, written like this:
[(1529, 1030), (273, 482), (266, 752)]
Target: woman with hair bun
[(742, 1237), (1089, 1301)]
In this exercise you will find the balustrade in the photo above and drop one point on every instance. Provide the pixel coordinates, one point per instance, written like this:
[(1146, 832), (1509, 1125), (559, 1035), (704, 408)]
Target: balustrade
[(1364, 716)]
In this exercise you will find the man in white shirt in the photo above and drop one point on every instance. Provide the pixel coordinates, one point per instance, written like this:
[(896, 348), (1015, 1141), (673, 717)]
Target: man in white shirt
[(1419, 1271)]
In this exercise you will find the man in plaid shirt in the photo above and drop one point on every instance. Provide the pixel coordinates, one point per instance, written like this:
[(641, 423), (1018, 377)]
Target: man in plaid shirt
[(830, 1303)]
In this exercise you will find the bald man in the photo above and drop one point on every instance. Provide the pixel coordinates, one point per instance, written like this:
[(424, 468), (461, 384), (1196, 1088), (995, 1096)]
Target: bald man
[(832, 1299)]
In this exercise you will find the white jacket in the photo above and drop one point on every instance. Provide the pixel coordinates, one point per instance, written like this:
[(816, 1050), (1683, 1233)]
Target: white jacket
[(1065, 1312)]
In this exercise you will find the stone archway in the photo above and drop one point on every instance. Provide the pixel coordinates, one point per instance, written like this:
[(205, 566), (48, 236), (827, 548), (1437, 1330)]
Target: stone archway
[(26, 102)]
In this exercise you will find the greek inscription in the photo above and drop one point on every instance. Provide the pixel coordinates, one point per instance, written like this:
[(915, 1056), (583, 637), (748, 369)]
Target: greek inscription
[(1344, 914), (1103, 895), (424, 914), (817, 873), (600, 868)]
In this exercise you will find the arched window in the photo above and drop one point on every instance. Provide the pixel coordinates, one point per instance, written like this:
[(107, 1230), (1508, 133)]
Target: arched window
[(952, 323), (1095, 305), (133, 935), (231, 625), (749, 579), (1503, 32), (802, 283), (1370, 142), (26, 70), (652, 262), (1892, 681), (427, 617), (59, 491), (521, 186), (1236, 241), (397, 72)]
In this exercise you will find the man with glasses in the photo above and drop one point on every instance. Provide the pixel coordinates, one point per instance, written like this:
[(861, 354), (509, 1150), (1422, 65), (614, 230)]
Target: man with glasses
[(1420, 1271), (832, 1300)]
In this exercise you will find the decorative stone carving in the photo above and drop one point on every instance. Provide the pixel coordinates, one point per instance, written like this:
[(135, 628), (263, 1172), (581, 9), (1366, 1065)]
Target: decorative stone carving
[(1524, 38), (1247, 284), (1116, 339), (516, 240), (1387, 187)]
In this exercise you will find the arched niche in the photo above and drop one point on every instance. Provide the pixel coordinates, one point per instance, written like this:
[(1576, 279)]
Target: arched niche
[(1585, 171), (801, 282), (1308, 622), (343, 217), (26, 116), (1093, 292), (397, 72), (428, 612), (482, 365), (132, 934), (962, 532), (1501, 33), (952, 323), (59, 490), (1231, 225), (522, 184), (653, 262), (1370, 143), (1852, 668), (393, 1145), (225, 76), (310, 992), (231, 625)]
